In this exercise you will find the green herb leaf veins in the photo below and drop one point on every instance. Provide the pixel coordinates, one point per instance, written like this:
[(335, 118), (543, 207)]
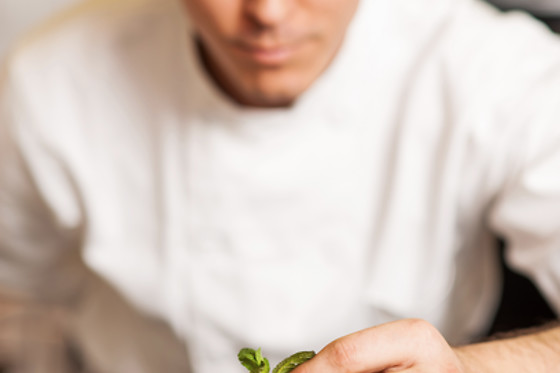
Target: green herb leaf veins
[(256, 363)]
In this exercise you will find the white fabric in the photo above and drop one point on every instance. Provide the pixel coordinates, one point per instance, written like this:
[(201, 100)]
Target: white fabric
[(376, 197)]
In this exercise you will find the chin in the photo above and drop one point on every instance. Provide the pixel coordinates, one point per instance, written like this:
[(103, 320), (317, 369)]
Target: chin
[(271, 99), (274, 90)]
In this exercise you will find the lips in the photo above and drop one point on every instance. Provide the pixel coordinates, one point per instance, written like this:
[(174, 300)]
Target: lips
[(268, 55)]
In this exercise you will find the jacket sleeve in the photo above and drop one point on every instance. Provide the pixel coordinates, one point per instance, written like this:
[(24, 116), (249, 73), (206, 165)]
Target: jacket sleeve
[(41, 231), (526, 212), (43, 227)]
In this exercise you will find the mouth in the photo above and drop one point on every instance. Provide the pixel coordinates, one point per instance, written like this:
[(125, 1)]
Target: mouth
[(268, 55)]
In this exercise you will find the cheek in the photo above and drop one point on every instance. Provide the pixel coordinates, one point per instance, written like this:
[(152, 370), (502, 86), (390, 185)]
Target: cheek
[(214, 17), (336, 14)]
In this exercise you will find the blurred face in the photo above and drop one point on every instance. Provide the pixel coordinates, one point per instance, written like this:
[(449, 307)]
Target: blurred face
[(265, 53)]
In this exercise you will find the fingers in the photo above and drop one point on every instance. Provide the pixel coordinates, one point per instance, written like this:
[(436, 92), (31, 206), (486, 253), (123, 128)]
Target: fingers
[(398, 346)]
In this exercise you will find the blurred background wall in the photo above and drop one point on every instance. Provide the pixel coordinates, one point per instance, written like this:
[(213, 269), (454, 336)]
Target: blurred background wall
[(17, 16)]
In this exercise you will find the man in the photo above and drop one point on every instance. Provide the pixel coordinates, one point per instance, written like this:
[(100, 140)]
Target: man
[(194, 177)]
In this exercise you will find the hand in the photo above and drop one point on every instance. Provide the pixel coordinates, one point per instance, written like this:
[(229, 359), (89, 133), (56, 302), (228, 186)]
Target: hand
[(410, 345)]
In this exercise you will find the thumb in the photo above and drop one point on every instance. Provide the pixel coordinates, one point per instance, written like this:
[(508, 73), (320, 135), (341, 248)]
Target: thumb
[(391, 345)]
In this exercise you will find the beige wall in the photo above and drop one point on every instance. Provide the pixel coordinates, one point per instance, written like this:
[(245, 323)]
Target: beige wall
[(17, 16)]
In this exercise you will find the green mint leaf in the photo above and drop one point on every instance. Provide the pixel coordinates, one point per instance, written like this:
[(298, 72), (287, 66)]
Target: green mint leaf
[(290, 363), (258, 357), (253, 360)]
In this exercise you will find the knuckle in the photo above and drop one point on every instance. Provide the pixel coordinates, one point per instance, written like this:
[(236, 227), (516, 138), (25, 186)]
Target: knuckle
[(428, 336), (343, 354), (423, 330)]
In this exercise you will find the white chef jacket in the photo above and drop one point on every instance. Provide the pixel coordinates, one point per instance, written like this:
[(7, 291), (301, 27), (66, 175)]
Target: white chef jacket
[(179, 227)]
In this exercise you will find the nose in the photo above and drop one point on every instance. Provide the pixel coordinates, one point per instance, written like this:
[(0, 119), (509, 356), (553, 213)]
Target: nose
[(268, 13)]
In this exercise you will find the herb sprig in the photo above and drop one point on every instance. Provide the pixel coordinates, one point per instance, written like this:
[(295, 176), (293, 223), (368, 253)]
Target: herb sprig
[(256, 363)]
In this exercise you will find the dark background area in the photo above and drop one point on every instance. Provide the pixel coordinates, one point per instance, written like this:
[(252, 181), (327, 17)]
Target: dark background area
[(522, 305), (552, 20)]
